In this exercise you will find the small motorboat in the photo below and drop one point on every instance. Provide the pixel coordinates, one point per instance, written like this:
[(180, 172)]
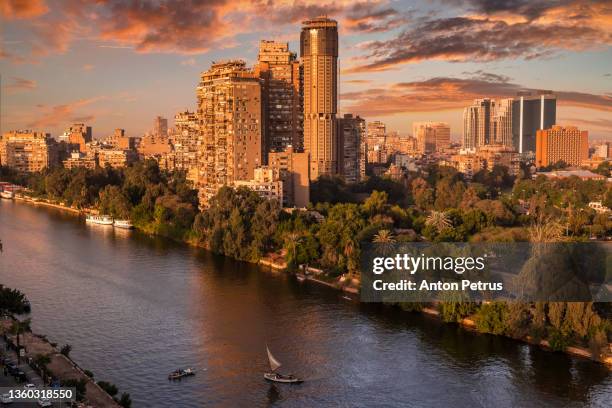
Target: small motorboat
[(180, 373), (7, 194), (99, 219), (125, 224), (277, 377)]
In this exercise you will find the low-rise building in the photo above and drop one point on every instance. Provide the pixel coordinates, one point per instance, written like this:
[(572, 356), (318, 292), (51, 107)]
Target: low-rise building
[(293, 169), (266, 183), (78, 159), (561, 174)]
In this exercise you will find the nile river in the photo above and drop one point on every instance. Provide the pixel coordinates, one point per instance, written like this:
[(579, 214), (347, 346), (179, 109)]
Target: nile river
[(135, 308)]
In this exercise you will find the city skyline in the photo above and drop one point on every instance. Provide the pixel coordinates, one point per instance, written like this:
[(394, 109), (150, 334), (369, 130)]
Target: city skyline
[(399, 63)]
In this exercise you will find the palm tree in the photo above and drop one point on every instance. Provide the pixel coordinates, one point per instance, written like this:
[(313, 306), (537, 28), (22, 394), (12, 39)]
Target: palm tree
[(19, 327), (292, 240), (439, 220), (384, 236)]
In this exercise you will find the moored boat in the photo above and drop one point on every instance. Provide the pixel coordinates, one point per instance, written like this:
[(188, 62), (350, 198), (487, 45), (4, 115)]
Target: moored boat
[(277, 377), (99, 219), (125, 224), (7, 194), (180, 373)]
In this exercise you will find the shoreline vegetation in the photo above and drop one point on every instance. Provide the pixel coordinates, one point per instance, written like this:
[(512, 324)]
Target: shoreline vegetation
[(434, 205)]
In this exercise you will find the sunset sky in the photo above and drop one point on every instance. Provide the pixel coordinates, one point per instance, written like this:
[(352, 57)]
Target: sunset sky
[(112, 63)]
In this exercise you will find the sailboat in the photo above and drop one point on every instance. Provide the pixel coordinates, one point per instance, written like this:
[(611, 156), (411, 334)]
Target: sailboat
[(277, 377)]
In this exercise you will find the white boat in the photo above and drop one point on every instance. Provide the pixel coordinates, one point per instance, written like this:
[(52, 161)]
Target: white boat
[(277, 377), (180, 373), (99, 219), (125, 224), (7, 194)]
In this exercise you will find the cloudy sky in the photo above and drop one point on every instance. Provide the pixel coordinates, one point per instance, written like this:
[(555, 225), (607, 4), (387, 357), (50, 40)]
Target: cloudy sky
[(118, 63)]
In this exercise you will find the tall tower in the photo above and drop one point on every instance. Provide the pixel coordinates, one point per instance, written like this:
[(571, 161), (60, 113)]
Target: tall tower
[(477, 123), (319, 53), (532, 111)]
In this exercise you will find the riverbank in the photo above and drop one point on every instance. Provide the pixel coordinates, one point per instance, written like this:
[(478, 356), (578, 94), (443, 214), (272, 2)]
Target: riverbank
[(276, 262), (38, 348)]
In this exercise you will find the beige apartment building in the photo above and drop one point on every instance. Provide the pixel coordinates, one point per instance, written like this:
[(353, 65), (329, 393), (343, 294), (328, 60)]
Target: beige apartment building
[(28, 151), (229, 111), (319, 53), (266, 183), (77, 136), (282, 103), (293, 169), (431, 137)]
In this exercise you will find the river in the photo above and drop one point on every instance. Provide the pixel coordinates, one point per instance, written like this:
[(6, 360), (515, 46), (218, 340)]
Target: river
[(135, 308)]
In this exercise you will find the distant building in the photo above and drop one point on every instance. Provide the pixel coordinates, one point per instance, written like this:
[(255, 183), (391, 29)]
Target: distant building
[(119, 140), (282, 102), (115, 158), (319, 55), (154, 146), (351, 150), (230, 116), (500, 155), (160, 127), (602, 150), (532, 112), (28, 151), (568, 144), (78, 159), (502, 122), (467, 162), (293, 169), (431, 136), (266, 183), (185, 144), (562, 174), (77, 136), (477, 123)]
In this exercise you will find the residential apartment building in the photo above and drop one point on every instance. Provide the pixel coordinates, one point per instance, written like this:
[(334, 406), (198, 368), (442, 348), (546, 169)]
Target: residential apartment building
[(293, 168), (28, 151), (266, 183), (567, 144), (281, 97), (431, 137), (230, 119), (351, 150)]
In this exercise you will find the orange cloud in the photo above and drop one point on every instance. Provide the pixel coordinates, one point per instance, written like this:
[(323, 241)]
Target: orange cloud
[(22, 9), (21, 84), (62, 114), (444, 93)]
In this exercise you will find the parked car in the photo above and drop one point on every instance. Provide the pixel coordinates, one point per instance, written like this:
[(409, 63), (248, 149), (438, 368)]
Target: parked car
[(6, 399)]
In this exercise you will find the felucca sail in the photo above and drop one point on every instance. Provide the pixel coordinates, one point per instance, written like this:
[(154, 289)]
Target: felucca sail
[(274, 363)]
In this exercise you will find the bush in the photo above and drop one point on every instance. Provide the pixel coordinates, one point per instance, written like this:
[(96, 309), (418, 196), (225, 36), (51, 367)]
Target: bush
[(66, 349), (456, 311), (557, 340), (111, 389), (490, 318)]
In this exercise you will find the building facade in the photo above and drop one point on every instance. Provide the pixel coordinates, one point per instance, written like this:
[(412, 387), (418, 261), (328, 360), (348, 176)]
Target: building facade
[(281, 97), (351, 148), (266, 183), (230, 116), (319, 53), (532, 112), (477, 123), (28, 151), (431, 136), (568, 144), (293, 168)]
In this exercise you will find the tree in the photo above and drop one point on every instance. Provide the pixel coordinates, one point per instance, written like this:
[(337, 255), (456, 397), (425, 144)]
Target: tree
[(375, 203), (438, 220), (490, 318), (66, 349), (19, 327)]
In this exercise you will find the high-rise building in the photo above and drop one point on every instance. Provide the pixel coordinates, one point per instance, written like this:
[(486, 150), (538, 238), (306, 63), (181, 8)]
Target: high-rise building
[(160, 127), (229, 111), (351, 148), (28, 151), (532, 112), (293, 168), (568, 144), (477, 123), (502, 122), (431, 136), (376, 142), (319, 53), (282, 101), (602, 150)]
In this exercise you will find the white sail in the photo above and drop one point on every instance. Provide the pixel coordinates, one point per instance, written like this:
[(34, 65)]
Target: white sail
[(274, 363)]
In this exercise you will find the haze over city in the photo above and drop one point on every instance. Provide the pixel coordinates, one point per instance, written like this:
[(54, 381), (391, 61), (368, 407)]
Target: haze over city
[(118, 64)]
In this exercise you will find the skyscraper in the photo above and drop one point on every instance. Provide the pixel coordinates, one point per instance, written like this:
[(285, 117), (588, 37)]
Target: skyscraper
[(229, 112), (282, 102), (477, 124), (568, 144), (502, 122), (160, 127), (431, 136), (530, 113), (319, 53), (351, 148)]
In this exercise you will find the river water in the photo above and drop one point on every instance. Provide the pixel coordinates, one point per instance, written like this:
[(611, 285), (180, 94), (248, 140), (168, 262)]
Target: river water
[(135, 308)]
